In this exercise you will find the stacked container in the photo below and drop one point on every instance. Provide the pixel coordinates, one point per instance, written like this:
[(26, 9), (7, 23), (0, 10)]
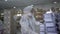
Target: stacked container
[(58, 22), (50, 27), (42, 29)]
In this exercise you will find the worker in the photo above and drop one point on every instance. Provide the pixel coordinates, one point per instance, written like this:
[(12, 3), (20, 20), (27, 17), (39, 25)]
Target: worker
[(27, 21), (58, 20)]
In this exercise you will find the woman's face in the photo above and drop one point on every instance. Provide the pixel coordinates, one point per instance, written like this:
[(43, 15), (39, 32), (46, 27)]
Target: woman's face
[(38, 16)]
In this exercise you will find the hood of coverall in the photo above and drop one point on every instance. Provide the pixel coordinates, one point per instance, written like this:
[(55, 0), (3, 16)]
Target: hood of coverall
[(27, 10)]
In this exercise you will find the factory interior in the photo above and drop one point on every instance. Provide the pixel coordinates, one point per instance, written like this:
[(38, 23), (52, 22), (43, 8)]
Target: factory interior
[(29, 16)]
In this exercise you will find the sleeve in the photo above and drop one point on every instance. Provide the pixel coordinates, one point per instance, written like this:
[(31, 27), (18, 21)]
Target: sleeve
[(24, 21), (34, 20)]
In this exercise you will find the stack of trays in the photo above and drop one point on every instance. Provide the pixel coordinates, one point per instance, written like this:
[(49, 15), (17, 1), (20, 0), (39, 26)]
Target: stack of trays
[(59, 25), (48, 19), (51, 33), (49, 16), (42, 29), (42, 32), (50, 27), (58, 18)]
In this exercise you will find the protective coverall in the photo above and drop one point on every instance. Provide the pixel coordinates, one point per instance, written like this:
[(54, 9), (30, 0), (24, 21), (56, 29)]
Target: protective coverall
[(27, 21)]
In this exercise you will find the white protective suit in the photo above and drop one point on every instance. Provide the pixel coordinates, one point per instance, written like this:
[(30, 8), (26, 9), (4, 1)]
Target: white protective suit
[(27, 21)]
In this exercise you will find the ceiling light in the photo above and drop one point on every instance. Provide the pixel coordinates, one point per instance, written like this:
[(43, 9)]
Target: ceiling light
[(5, 0), (19, 15), (2, 13), (55, 2), (14, 7)]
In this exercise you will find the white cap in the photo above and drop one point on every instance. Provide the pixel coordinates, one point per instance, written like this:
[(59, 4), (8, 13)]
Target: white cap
[(49, 11), (28, 9)]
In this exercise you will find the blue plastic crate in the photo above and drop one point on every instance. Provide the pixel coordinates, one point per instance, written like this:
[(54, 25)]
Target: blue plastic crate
[(51, 33), (51, 29), (50, 25), (42, 29), (42, 32), (49, 22)]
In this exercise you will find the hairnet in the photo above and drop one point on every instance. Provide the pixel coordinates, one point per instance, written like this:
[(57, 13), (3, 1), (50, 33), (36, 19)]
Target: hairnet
[(28, 9)]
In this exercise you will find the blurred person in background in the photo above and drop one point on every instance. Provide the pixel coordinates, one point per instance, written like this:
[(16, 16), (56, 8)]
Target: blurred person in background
[(56, 16), (58, 19)]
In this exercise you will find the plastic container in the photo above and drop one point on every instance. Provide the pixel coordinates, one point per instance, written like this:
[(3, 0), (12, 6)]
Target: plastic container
[(50, 25), (41, 25), (49, 22), (51, 29), (51, 33), (42, 32), (48, 17), (42, 29)]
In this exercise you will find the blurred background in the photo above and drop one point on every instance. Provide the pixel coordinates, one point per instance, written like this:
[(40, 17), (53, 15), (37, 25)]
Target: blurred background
[(12, 10)]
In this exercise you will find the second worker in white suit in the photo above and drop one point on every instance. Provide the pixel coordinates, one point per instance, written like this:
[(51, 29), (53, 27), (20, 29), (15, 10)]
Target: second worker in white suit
[(27, 21)]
